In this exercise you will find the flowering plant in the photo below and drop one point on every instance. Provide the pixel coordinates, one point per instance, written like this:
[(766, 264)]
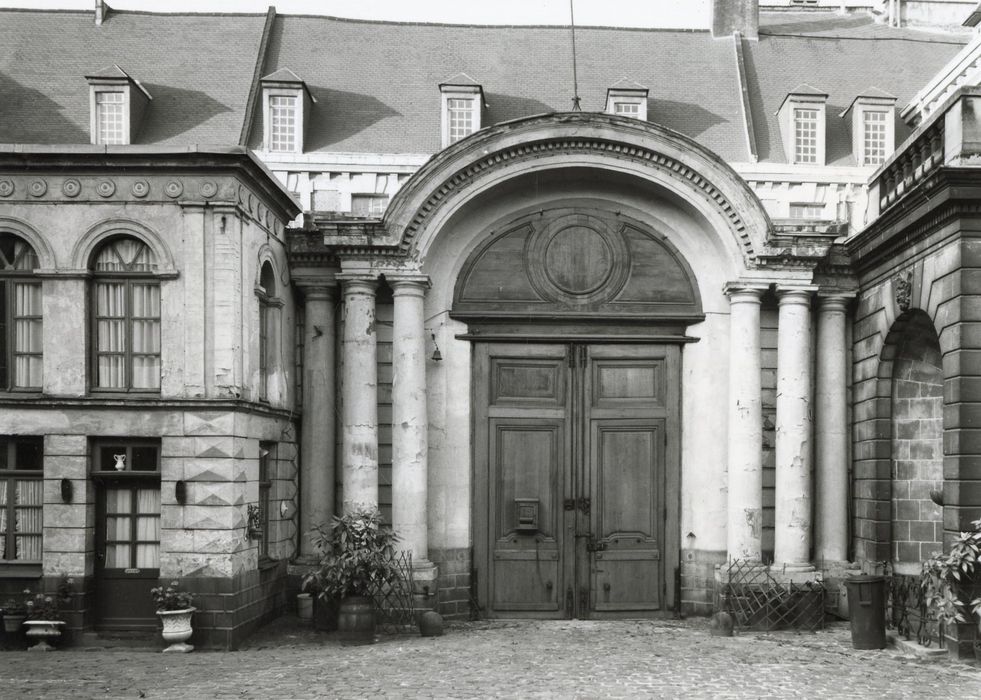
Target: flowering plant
[(171, 597), (14, 606), (42, 607)]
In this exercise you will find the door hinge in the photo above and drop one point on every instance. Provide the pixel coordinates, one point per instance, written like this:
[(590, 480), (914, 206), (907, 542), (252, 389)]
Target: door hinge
[(584, 505), (569, 602), (593, 546), (583, 351), (583, 601)]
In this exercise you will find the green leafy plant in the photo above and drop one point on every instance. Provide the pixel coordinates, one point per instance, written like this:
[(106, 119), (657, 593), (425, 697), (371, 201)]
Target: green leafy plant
[(171, 597), (357, 556), (946, 578)]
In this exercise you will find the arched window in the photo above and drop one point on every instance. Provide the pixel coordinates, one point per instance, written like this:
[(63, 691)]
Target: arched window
[(267, 333), (126, 297), (20, 321)]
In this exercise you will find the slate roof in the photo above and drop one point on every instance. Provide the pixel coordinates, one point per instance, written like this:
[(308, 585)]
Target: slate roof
[(199, 69), (377, 83), (843, 56)]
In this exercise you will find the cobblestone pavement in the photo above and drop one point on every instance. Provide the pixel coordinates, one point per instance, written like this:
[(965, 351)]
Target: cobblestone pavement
[(527, 659)]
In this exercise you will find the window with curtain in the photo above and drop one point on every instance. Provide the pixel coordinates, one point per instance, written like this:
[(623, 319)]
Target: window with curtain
[(127, 317), (21, 499), (20, 320), (131, 472)]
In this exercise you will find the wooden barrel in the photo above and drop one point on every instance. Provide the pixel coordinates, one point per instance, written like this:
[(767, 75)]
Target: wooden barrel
[(356, 620)]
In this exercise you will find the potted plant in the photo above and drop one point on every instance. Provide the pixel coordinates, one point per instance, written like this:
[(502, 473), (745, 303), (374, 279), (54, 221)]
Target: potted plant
[(175, 609), (358, 561), (947, 580), (43, 620), (14, 613)]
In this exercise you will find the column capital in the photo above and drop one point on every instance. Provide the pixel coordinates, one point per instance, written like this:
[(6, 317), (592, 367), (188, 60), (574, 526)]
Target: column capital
[(834, 300), (745, 292), (357, 283), (795, 293), (408, 284), (313, 292)]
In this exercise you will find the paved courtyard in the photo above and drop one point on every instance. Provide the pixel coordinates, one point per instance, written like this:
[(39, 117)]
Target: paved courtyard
[(561, 659)]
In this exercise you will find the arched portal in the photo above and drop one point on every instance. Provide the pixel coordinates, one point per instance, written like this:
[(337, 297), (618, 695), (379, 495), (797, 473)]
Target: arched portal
[(578, 266)]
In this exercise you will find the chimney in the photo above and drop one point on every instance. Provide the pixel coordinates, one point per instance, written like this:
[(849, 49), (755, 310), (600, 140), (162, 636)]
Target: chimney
[(729, 16), (101, 10)]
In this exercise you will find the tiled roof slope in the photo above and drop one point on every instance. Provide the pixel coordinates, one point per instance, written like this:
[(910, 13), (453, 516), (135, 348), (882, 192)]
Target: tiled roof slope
[(842, 56), (198, 68), (377, 83)]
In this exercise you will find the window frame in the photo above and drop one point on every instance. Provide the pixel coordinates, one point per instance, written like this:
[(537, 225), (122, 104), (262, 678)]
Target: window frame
[(120, 114), (473, 96), (815, 146), (10, 278), (267, 455), (293, 112), (129, 279), (10, 477), (882, 131)]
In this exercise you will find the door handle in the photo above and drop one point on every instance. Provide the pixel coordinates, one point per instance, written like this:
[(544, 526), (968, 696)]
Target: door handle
[(593, 546)]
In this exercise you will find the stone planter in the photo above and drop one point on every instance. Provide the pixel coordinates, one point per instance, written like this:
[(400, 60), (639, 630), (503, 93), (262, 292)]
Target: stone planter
[(177, 629), (12, 622), (43, 631)]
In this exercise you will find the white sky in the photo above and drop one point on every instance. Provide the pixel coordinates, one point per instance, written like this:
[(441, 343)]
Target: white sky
[(624, 13)]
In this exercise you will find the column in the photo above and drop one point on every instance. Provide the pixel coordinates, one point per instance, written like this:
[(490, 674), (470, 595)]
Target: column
[(745, 513), (830, 429), (359, 396), (792, 536), (410, 424), (317, 449)]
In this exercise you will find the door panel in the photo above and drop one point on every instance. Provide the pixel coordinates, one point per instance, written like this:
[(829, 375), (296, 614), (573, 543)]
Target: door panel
[(571, 449), (626, 567), (526, 456), (127, 555)]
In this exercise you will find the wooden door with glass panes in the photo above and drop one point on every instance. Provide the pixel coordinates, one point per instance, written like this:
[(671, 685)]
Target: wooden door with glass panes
[(127, 475)]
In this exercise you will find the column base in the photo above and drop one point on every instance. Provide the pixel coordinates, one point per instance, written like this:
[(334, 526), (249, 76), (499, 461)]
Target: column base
[(425, 586)]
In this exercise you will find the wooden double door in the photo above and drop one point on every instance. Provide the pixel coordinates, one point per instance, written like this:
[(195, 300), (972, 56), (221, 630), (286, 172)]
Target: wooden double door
[(576, 471)]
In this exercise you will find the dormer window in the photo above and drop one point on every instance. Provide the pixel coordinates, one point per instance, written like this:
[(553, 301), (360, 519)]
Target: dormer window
[(462, 102), (873, 115), (117, 104), (802, 123), (628, 99), (286, 108)]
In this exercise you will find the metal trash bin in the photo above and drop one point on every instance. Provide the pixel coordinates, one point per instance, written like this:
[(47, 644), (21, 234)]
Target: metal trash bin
[(867, 610)]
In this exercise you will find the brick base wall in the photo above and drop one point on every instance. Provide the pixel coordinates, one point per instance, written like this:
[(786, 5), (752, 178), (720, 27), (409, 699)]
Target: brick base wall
[(698, 588), (454, 591)]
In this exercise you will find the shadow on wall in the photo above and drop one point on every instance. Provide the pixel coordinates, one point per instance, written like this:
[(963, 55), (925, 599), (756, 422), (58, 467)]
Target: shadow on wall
[(687, 118), (503, 108), (175, 111), (28, 116), (358, 112)]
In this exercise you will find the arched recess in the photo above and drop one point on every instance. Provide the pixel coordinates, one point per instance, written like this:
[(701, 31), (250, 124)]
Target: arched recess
[(469, 168), (917, 442), (898, 506), (86, 245), (45, 255)]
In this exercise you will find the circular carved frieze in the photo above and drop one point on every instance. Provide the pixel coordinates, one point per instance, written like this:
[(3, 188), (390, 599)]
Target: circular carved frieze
[(6, 188), (37, 188), (578, 260), (174, 189), (209, 189), (140, 188), (105, 188), (71, 187)]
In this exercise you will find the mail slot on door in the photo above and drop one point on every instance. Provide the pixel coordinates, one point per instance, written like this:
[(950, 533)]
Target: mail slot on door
[(526, 513)]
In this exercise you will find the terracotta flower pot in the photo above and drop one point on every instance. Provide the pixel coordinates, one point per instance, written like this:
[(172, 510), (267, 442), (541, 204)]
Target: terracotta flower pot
[(12, 622), (177, 629)]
